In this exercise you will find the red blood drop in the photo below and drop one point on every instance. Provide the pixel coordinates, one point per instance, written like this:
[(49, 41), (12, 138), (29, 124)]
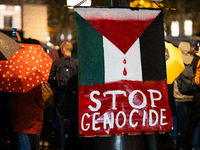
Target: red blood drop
[(124, 61), (125, 72)]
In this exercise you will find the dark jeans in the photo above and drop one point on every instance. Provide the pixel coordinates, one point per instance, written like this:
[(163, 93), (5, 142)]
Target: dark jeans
[(190, 133), (196, 139), (26, 141), (183, 114), (59, 97), (175, 133)]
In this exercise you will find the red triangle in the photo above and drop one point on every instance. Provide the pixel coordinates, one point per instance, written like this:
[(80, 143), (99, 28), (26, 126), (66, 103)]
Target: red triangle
[(122, 33)]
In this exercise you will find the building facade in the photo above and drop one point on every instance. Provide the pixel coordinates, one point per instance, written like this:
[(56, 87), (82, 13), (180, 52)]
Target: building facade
[(181, 17), (29, 17)]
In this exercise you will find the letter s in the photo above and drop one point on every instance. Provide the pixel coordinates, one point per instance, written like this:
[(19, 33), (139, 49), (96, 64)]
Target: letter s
[(98, 102)]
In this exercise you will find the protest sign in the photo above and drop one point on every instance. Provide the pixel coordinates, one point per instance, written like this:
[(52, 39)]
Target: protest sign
[(122, 71)]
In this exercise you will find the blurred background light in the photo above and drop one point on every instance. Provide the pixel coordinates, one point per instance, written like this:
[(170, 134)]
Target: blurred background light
[(145, 3), (175, 28), (17, 8), (188, 27), (2, 7)]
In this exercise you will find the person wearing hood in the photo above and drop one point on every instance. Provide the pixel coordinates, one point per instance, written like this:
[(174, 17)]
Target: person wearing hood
[(183, 100)]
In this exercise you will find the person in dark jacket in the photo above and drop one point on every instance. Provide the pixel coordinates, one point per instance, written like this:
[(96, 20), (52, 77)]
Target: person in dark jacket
[(69, 110), (194, 118), (59, 91)]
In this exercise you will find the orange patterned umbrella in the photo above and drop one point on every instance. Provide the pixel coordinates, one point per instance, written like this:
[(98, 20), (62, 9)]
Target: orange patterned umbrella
[(25, 69)]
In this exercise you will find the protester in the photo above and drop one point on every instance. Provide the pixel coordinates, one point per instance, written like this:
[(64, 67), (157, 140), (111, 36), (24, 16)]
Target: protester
[(54, 54), (194, 117), (48, 115), (69, 110), (182, 97), (7, 135), (174, 134), (49, 109), (27, 118), (62, 69)]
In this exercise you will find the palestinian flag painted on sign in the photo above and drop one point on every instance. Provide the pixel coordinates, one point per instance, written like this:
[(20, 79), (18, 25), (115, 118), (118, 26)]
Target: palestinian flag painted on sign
[(122, 71)]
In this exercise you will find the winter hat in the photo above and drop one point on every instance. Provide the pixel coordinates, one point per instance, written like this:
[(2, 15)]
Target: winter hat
[(186, 52)]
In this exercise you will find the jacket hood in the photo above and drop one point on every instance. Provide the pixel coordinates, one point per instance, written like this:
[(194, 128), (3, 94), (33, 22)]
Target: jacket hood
[(186, 52)]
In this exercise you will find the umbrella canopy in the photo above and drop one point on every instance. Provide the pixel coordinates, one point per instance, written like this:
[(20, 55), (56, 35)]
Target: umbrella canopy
[(176, 40), (25, 69), (8, 46), (174, 64)]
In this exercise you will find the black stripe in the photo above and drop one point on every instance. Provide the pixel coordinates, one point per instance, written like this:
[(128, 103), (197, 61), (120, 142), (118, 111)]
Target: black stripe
[(153, 51)]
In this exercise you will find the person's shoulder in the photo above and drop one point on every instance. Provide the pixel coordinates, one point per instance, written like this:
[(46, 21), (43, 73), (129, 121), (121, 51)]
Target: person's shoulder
[(57, 63), (66, 57), (57, 60), (196, 58)]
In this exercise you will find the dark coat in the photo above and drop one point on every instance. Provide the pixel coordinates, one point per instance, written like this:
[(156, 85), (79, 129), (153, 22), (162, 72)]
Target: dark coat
[(69, 107), (195, 105), (54, 69), (53, 53)]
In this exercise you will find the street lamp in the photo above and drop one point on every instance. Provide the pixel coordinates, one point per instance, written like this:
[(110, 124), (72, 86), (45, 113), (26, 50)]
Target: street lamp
[(72, 3)]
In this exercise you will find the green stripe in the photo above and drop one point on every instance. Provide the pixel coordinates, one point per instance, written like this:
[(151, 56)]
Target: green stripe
[(90, 53)]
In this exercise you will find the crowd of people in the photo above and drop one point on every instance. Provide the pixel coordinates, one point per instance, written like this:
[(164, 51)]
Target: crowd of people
[(28, 118), (185, 106)]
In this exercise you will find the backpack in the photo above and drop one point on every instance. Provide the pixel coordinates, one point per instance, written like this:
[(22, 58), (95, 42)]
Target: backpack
[(65, 71), (186, 81)]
